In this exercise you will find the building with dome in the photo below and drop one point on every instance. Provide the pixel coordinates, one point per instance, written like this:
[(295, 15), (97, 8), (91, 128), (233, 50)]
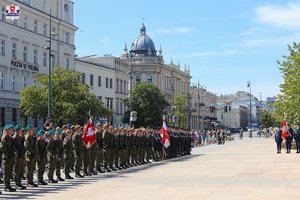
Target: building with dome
[(147, 66)]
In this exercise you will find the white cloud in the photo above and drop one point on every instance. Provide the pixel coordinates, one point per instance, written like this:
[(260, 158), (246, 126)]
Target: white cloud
[(287, 16), (271, 41), (174, 30)]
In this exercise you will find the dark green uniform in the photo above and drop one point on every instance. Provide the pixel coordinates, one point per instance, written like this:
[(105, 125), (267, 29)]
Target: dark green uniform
[(60, 156), (30, 146), (19, 158), (8, 159), (78, 148), (52, 157), (106, 149), (99, 155), (68, 151), (41, 159)]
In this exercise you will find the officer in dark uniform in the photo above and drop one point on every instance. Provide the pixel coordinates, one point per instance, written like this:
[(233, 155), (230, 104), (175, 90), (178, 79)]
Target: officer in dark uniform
[(297, 138), (278, 139), (68, 151), (8, 156), (19, 156), (289, 138), (41, 156), (60, 153), (78, 148), (72, 158), (30, 146)]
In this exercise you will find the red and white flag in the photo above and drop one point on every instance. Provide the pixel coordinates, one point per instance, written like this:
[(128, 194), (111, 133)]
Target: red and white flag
[(89, 137), (164, 135), (284, 130)]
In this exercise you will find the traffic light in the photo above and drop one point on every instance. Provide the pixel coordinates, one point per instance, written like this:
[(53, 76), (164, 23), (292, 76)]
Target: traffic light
[(225, 109)]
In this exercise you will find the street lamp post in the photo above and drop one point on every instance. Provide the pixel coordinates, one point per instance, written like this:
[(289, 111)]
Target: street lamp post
[(49, 69), (250, 121)]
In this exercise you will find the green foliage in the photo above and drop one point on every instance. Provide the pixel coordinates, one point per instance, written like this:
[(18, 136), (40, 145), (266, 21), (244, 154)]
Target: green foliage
[(71, 100), (149, 104), (179, 102), (289, 101), (268, 119)]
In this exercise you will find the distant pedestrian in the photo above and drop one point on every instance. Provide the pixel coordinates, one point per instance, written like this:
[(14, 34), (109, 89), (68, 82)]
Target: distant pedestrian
[(289, 138), (278, 139)]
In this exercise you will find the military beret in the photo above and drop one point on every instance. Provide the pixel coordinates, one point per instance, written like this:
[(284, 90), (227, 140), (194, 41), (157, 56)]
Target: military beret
[(77, 126), (50, 132), (73, 126), (17, 127), (59, 132), (29, 127), (64, 126), (8, 126), (23, 128), (40, 132), (105, 126)]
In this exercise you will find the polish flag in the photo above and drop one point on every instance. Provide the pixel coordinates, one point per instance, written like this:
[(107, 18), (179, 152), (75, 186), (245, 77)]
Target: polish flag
[(89, 137), (285, 132), (164, 135)]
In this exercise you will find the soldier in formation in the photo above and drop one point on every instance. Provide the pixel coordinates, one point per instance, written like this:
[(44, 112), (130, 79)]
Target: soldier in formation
[(63, 148)]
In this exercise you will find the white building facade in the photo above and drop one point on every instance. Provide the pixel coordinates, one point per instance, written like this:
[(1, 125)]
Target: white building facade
[(23, 52)]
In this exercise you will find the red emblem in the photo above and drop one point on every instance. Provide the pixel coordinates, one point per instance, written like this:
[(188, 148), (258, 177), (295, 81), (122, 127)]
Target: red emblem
[(12, 8)]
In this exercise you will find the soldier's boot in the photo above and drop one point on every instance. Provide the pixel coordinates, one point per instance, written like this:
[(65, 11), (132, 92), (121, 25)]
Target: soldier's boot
[(42, 182), (100, 170), (20, 187), (78, 175), (60, 179), (68, 176), (51, 180), (32, 184), (8, 188), (85, 173), (107, 169), (1, 181)]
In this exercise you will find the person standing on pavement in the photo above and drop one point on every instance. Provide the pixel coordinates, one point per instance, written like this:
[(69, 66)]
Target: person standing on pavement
[(68, 151), (278, 139), (60, 153), (78, 148), (41, 156), (8, 156), (52, 155), (297, 138), (30, 146), (19, 156), (289, 138)]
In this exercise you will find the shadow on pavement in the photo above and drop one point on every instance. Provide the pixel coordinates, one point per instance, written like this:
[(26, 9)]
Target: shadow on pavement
[(33, 193)]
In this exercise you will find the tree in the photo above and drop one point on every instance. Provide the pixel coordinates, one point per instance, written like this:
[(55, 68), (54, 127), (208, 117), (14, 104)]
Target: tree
[(267, 119), (179, 102), (288, 103), (148, 102), (71, 101)]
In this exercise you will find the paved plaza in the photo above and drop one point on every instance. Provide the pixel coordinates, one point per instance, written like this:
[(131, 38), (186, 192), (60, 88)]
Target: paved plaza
[(247, 169)]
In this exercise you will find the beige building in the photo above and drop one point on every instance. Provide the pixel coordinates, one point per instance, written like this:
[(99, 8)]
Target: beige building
[(23, 52), (203, 108), (109, 79), (147, 66)]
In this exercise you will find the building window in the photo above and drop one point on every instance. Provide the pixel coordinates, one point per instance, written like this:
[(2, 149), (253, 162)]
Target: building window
[(14, 51), (53, 31), (83, 78), (25, 54), (117, 85), (36, 122), (24, 81), (13, 82), (3, 14), (106, 82), (121, 108), (149, 79), (45, 59), (35, 56), (25, 22), (35, 26), (117, 102), (125, 83), (111, 83), (91, 79), (138, 78), (67, 63), (1, 81), (45, 29), (121, 86), (14, 116), (99, 81), (2, 115), (66, 37), (53, 60), (2, 48)]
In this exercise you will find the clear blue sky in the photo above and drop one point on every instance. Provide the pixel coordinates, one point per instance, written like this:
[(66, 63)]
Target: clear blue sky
[(225, 42)]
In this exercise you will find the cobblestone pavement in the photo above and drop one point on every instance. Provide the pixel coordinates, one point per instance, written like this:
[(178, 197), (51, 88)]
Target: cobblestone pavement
[(241, 169)]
